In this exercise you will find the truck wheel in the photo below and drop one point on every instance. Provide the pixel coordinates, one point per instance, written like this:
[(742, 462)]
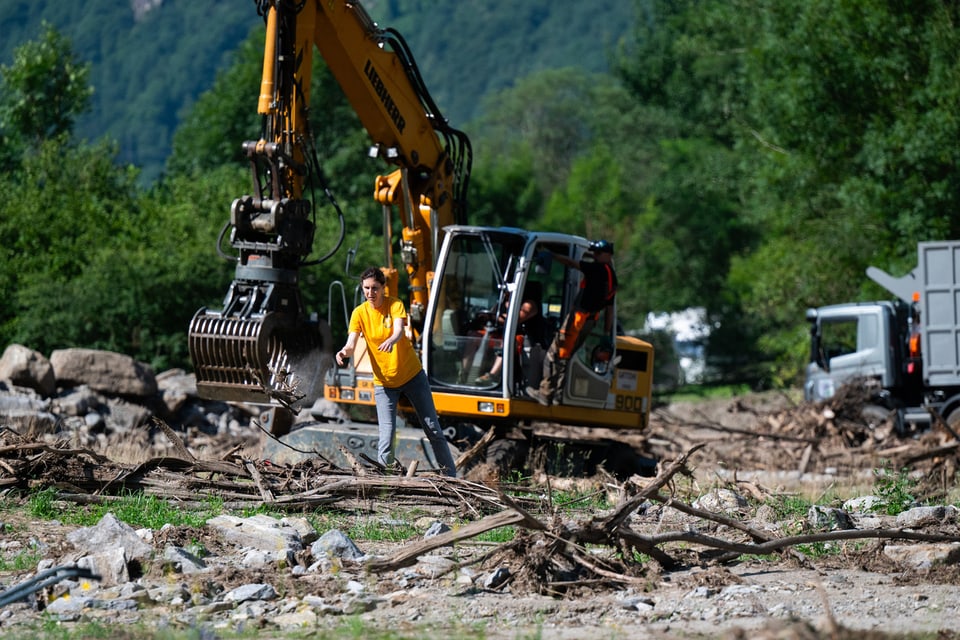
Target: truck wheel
[(900, 424), (953, 420)]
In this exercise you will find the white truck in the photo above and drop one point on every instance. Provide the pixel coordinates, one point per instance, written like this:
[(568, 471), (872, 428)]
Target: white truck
[(910, 346)]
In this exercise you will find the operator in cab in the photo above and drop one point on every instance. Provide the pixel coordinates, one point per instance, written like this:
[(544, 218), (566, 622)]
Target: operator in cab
[(598, 288)]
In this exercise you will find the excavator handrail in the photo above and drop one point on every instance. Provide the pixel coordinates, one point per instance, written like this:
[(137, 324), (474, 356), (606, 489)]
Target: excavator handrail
[(343, 296)]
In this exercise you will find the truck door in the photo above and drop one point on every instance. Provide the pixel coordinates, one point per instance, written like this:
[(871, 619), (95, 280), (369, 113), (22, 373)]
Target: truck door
[(848, 342), (851, 346)]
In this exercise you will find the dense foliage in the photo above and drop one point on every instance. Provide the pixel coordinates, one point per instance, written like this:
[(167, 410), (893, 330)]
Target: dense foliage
[(150, 60), (146, 67), (752, 157)]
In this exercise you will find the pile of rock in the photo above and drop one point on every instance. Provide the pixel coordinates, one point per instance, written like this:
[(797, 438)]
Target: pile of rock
[(252, 576), (98, 393)]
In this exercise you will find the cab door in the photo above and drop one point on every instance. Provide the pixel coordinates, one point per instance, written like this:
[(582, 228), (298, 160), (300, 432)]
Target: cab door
[(469, 323), (590, 370)]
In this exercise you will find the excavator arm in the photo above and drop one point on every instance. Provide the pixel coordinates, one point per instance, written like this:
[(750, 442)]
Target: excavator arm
[(380, 79), (263, 346)]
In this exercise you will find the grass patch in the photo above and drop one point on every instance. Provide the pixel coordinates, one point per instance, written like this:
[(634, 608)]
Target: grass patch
[(43, 504), (581, 501), (895, 489), (500, 534), (692, 393), (21, 561), (134, 508), (365, 527), (377, 529), (790, 507)]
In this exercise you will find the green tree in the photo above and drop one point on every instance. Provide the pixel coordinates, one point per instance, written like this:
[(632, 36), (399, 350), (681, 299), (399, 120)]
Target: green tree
[(72, 203), (552, 117), (683, 70), (212, 131), (88, 260), (469, 50), (44, 90), (850, 139), (504, 191)]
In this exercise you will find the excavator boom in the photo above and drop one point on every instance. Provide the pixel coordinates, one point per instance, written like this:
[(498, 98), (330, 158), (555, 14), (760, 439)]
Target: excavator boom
[(263, 346)]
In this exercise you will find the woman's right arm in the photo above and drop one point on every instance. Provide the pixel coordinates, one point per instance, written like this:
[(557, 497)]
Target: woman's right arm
[(348, 348)]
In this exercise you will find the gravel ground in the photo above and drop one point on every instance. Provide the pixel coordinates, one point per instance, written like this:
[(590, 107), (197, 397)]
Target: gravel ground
[(855, 591), (754, 599)]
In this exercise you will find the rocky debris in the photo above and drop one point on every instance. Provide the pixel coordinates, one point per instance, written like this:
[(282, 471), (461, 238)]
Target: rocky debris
[(97, 398), (108, 402), (139, 575), (28, 368), (281, 573), (203, 579), (828, 518), (106, 371), (776, 439)]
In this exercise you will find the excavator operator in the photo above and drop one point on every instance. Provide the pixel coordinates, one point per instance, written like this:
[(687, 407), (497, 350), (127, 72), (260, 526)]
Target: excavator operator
[(598, 288)]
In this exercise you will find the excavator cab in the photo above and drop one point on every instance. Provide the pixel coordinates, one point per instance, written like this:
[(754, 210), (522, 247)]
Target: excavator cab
[(476, 342), (495, 306)]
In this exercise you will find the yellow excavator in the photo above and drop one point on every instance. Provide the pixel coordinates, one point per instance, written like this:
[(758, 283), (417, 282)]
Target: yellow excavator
[(264, 347)]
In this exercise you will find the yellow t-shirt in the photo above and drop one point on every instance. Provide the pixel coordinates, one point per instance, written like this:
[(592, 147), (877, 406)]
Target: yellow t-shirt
[(392, 368)]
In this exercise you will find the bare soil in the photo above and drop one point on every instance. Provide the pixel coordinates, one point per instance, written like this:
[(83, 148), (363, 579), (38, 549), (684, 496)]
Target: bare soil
[(762, 446)]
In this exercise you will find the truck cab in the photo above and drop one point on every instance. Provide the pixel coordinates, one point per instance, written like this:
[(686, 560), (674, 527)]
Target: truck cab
[(853, 340), (909, 345)]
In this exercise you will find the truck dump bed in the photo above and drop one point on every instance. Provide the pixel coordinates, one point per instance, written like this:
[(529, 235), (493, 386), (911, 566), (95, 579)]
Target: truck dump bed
[(938, 281)]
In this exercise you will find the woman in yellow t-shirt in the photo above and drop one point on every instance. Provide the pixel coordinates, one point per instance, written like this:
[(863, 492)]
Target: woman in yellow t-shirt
[(396, 369)]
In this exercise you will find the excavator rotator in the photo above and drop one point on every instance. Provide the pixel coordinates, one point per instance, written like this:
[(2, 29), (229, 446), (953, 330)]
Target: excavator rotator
[(249, 351)]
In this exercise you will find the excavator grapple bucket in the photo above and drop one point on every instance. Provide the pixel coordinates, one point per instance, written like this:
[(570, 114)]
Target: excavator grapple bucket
[(267, 359)]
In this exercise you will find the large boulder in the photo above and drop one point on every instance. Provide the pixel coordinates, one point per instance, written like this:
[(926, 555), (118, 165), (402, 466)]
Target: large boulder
[(104, 371), (25, 367)]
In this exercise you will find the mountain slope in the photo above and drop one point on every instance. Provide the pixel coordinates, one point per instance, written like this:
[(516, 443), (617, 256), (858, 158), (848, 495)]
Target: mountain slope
[(150, 59)]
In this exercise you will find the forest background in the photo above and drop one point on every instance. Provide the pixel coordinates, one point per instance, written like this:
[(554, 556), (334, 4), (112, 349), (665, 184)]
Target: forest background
[(750, 157)]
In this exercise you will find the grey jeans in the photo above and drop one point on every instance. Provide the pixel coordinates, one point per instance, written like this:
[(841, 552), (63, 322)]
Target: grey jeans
[(418, 393)]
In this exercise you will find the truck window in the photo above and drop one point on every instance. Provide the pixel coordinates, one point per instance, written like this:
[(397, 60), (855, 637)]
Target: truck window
[(837, 338)]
